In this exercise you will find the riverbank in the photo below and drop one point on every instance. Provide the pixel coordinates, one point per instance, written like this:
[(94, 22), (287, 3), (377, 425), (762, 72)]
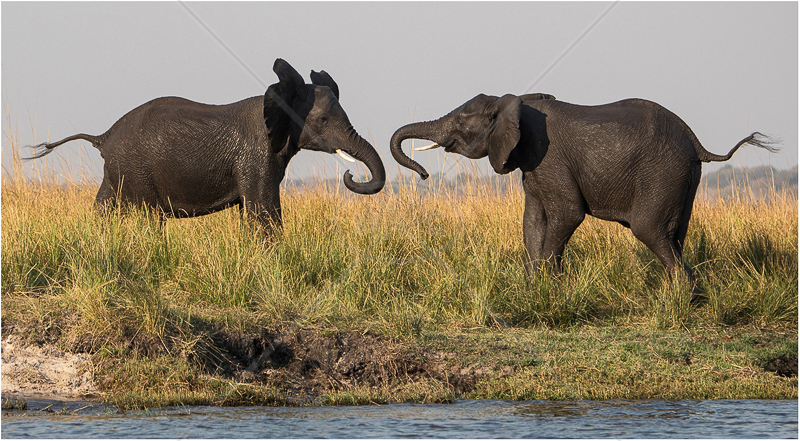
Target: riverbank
[(396, 297), (323, 366)]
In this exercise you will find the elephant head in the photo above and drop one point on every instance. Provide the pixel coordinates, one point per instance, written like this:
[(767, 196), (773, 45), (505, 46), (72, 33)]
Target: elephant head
[(483, 126), (309, 116)]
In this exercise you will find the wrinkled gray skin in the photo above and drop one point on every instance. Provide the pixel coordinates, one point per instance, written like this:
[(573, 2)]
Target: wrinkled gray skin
[(189, 159), (633, 162)]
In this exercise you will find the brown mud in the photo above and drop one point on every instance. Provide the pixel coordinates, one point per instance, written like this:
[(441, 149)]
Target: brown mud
[(312, 363), (782, 366)]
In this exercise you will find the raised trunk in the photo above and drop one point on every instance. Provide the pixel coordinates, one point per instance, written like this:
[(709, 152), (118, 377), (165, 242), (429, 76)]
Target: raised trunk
[(363, 151), (421, 130)]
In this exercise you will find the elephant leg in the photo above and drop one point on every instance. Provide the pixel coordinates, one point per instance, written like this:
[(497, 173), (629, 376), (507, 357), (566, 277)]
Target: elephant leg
[(106, 198), (264, 208), (666, 235), (677, 244), (665, 247), (680, 234), (686, 214), (272, 217), (534, 227), (266, 217), (662, 242), (559, 230)]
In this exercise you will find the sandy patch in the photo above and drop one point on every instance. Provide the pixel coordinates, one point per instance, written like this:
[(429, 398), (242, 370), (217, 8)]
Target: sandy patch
[(44, 371)]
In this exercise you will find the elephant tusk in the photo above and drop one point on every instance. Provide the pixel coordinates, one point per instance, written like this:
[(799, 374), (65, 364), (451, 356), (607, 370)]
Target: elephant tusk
[(345, 156), (427, 147)]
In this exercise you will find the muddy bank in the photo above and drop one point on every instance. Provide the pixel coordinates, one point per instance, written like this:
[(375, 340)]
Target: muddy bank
[(783, 366), (312, 363), (301, 365)]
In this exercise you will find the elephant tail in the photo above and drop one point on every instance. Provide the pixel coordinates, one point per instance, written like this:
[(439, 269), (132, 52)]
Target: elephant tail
[(756, 139), (45, 148)]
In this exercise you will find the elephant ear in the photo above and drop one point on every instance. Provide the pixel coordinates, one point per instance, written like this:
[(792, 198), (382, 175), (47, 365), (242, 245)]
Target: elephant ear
[(505, 134), (278, 111), (536, 97), (322, 78)]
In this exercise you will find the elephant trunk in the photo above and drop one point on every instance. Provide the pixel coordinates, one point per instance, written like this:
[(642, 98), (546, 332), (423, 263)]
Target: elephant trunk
[(364, 152), (420, 130)]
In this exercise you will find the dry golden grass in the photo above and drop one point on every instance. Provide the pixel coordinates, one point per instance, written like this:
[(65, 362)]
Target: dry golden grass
[(395, 261), (399, 263)]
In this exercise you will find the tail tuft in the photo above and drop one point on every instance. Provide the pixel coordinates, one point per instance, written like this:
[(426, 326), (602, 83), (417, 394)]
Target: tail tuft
[(39, 151), (45, 148), (756, 139), (765, 142)]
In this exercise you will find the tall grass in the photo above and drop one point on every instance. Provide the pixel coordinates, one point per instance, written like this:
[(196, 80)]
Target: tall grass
[(397, 262)]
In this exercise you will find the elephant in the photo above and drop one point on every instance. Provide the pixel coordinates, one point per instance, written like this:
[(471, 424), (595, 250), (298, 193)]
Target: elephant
[(188, 159), (632, 161)]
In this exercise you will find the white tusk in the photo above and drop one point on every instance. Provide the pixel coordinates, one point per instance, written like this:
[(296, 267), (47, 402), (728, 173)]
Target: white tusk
[(345, 156), (427, 147)]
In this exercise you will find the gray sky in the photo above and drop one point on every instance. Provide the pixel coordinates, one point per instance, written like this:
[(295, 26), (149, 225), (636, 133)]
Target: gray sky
[(726, 68)]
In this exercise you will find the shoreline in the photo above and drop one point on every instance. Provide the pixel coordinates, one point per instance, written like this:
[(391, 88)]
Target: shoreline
[(325, 367)]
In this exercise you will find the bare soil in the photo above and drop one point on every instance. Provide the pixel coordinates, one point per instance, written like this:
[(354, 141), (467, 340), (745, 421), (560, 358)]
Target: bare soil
[(43, 371)]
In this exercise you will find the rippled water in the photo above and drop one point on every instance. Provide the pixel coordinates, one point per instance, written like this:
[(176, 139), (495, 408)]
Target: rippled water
[(463, 419)]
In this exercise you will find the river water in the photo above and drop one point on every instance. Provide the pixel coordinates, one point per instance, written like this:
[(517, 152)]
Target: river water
[(463, 419)]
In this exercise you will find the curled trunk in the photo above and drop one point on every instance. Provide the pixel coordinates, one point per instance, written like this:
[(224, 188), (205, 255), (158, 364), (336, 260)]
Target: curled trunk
[(420, 130), (363, 151)]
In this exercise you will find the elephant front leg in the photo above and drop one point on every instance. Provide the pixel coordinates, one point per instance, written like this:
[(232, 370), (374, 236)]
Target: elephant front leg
[(534, 226), (560, 226), (269, 218), (264, 210)]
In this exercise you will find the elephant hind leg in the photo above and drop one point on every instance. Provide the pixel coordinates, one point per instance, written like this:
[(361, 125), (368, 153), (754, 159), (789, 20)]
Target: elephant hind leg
[(683, 227), (665, 244), (106, 198), (264, 212), (661, 218), (688, 204)]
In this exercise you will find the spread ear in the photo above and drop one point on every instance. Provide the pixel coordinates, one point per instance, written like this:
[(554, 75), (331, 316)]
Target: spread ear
[(505, 134), (287, 74), (278, 101), (322, 78)]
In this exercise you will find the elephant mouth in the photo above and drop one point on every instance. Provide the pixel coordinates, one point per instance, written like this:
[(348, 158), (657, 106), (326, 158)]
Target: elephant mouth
[(449, 147)]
